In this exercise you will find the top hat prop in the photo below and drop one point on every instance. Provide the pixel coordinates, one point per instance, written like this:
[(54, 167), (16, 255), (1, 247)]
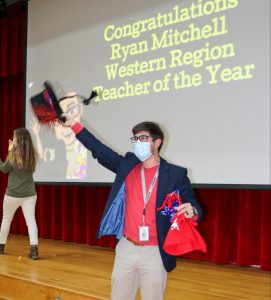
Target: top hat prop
[(46, 104), (46, 107)]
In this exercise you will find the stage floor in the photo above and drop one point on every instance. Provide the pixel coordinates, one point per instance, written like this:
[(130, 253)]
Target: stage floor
[(79, 272)]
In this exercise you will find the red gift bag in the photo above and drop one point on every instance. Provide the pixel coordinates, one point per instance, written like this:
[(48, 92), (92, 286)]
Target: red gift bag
[(183, 237)]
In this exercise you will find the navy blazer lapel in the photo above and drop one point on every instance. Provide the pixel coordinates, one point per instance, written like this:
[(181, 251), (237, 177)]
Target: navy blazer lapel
[(162, 182)]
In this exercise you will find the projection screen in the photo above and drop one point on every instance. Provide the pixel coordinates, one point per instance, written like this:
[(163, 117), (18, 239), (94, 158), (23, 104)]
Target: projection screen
[(201, 69)]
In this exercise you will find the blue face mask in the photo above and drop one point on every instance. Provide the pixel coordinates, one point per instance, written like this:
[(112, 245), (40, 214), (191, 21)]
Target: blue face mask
[(142, 150)]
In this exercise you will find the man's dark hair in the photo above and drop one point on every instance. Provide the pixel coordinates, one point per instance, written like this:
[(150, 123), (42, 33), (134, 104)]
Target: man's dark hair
[(153, 128)]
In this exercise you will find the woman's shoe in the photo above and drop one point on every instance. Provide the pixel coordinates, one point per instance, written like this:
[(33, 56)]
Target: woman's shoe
[(2, 248), (34, 253)]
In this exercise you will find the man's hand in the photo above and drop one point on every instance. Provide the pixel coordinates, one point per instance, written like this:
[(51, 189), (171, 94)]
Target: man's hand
[(187, 209), (69, 121)]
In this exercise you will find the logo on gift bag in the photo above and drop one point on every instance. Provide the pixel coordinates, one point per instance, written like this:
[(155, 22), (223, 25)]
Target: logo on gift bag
[(174, 225)]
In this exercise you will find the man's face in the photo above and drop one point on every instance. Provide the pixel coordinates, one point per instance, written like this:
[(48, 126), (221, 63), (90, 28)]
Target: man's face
[(146, 137), (73, 108)]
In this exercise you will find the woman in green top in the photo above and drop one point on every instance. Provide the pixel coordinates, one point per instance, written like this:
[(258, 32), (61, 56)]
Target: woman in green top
[(20, 164)]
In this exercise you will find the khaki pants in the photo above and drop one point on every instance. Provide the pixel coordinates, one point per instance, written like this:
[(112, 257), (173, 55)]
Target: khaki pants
[(138, 267)]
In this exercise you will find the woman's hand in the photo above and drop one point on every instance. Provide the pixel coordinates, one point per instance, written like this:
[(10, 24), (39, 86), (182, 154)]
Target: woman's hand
[(10, 145)]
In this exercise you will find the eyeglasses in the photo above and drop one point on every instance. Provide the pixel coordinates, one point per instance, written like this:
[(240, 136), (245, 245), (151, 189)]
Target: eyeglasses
[(141, 138), (73, 111)]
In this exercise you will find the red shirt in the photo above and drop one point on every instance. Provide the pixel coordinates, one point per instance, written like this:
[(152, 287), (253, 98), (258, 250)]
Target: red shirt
[(135, 204)]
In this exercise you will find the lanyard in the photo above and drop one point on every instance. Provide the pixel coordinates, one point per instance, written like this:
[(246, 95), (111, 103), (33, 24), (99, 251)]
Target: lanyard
[(146, 196)]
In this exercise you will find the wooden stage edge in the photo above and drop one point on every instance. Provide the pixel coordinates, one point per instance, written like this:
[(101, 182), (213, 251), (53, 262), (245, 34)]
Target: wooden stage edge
[(70, 271)]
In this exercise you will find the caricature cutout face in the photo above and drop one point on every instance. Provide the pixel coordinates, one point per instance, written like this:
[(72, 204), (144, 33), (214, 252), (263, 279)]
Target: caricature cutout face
[(74, 108)]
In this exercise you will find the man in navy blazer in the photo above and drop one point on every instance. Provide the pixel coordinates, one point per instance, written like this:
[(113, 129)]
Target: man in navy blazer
[(143, 180)]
